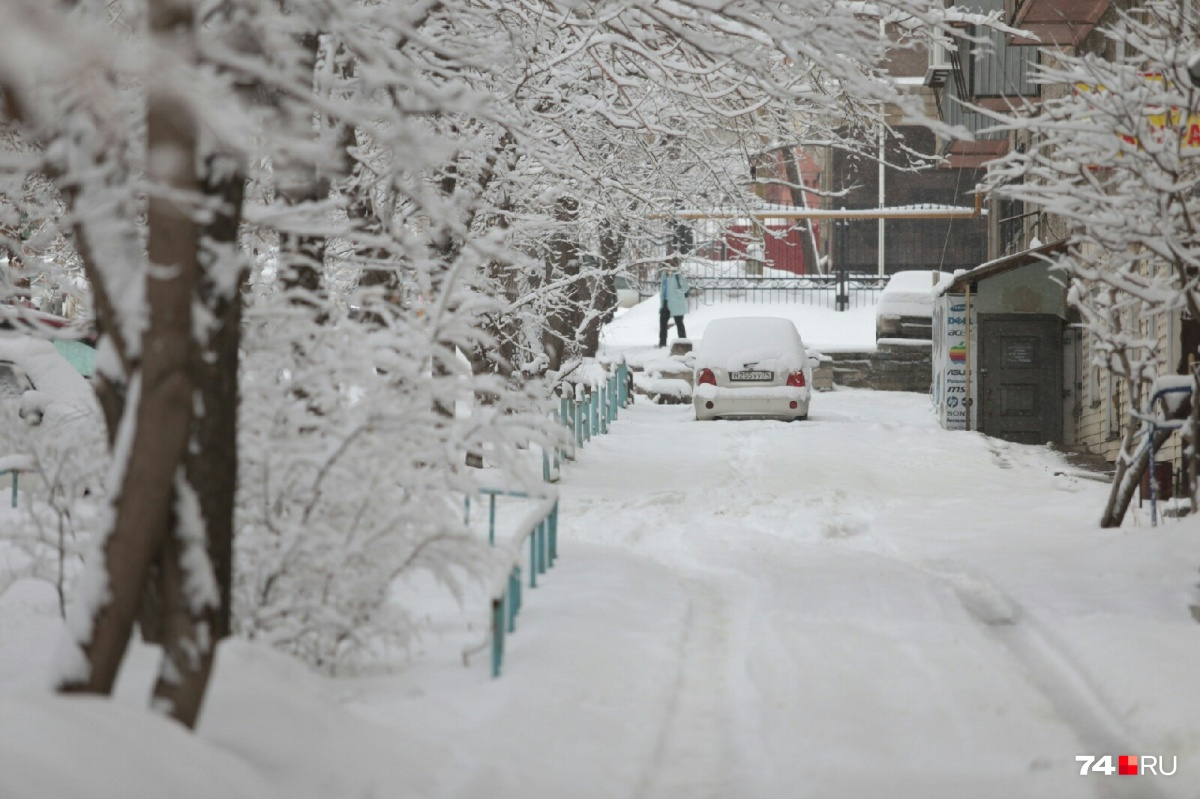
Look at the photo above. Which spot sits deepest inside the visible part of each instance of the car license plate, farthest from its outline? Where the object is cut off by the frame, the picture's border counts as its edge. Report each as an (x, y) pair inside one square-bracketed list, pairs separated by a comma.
[(754, 374)]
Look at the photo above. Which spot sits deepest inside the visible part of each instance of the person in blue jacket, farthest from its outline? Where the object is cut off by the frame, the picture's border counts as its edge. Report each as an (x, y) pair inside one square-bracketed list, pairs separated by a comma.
[(672, 295)]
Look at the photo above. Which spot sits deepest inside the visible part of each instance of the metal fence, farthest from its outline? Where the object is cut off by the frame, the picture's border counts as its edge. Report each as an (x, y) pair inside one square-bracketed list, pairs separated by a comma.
[(838, 291)]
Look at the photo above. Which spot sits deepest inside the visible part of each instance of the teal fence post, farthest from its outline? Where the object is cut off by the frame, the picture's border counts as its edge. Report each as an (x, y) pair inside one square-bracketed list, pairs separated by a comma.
[(554, 533), (578, 417), (492, 519), (542, 546), (567, 418), (533, 570), (589, 402), (594, 414), (13, 473), (513, 598), (614, 398), (557, 450), (603, 408)]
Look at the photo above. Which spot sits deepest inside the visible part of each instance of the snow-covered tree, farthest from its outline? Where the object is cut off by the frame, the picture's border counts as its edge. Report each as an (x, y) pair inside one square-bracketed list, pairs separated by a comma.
[(403, 195), (1114, 161)]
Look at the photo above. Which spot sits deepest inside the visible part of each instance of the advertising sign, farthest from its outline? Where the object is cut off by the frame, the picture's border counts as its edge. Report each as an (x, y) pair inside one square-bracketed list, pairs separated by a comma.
[(950, 360)]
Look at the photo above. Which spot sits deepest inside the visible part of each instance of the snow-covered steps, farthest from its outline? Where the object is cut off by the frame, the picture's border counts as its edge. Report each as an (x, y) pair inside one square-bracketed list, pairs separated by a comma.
[(896, 365)]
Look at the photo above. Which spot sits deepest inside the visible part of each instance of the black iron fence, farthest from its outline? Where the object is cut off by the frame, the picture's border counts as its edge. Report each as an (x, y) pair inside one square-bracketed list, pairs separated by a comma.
[(838, 291)]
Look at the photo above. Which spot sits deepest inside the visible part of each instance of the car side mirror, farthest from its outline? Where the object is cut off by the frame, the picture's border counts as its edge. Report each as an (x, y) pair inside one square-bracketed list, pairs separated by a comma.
[(33, 407)]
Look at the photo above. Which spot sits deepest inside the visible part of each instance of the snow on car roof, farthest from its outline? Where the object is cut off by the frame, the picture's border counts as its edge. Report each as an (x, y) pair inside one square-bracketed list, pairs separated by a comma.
[(769, 341), (908, 293), (917, 280), (50, 372)]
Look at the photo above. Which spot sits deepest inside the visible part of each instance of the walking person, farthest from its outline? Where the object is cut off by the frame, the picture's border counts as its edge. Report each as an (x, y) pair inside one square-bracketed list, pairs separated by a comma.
[(672, 295)]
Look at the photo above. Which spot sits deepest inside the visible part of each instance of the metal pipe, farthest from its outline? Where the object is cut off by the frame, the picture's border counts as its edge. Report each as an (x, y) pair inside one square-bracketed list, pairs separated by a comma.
[(967, 360), (882, 172), (840, 213)]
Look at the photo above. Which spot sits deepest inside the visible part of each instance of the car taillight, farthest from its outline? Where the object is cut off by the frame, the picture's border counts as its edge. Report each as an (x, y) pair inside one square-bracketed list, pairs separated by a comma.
[(796, 379), (707, 376)]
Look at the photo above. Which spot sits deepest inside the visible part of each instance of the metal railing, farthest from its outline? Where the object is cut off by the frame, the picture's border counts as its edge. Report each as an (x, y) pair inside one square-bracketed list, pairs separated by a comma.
[(15, 466), (540, 529), (16, 473), (586, 411), (837, 291)]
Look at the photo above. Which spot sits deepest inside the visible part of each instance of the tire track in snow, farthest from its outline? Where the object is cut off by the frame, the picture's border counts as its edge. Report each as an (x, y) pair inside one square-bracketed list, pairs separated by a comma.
[(1050, 669), (692, 757)]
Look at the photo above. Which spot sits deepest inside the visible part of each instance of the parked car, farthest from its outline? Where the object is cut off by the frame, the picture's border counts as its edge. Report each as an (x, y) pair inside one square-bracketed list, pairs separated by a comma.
[(627, 292), (42, 386), (14, 385), (50, 421), (752, 367), (905, 308)]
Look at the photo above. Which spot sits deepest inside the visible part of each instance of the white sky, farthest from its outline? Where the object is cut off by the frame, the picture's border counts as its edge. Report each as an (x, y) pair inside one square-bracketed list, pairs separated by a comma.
[(859, 605)]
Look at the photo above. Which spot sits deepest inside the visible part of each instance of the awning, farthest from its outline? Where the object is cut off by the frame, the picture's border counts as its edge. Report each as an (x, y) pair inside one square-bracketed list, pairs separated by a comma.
[(975, 154), (1056, 22)]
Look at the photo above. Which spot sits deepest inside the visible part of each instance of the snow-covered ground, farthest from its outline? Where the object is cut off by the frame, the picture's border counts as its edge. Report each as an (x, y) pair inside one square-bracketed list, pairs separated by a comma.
[(860, 605)]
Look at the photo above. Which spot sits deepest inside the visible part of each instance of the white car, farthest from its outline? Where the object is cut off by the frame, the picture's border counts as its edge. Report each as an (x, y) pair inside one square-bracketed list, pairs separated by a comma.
[(905, 308), (41, 386), (752, 367), (627, 292)]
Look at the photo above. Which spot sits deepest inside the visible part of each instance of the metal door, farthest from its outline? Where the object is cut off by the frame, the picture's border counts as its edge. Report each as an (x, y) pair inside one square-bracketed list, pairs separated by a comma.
[(1020, 377)]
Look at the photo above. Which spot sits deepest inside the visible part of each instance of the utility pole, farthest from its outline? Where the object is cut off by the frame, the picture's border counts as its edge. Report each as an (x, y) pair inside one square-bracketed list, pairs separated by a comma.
[(882, 171)]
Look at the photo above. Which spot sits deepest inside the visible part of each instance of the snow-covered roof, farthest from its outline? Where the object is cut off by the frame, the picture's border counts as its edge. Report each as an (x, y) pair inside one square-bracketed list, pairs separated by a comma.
[(1039, 254)]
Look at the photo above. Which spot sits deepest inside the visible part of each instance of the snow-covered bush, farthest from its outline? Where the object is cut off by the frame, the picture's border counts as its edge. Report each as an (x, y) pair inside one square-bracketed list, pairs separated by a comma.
[(354, 474), (62, 455)]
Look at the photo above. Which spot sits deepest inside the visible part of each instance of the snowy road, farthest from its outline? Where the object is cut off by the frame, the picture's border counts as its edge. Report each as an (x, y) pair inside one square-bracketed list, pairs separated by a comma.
[(861, 605), (817, 655)]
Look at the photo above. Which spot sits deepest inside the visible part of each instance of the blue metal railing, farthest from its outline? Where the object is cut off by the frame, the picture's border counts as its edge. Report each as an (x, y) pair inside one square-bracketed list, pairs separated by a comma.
[(15, 475), (540, 529), (585, 411)]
